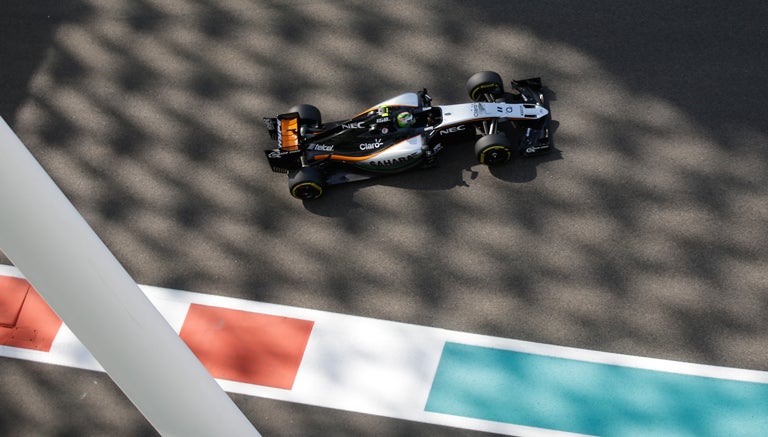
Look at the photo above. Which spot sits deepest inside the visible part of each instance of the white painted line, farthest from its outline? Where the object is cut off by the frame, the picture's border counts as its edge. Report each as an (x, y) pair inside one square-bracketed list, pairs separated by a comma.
[(346, 322), (371, 366)]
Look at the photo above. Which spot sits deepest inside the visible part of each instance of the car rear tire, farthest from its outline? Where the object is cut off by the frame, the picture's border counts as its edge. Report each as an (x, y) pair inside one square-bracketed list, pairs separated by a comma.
[(308, 115), (483, 83), (306, 183), (494, 149)]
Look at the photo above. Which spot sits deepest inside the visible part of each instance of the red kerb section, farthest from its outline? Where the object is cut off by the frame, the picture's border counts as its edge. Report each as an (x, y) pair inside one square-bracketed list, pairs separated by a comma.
[(247, 347), (26, 321)]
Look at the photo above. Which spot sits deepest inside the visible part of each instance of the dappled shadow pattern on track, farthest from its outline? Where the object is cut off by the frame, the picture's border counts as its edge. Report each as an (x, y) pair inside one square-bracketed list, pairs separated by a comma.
[(646, 233)]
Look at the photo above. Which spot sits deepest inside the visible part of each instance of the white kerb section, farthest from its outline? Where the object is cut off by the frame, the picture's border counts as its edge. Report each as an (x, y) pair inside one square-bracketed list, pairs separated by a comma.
[(72, 269)]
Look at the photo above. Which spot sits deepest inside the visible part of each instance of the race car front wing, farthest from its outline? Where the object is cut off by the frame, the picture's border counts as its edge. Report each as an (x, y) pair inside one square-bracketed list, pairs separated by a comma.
[(535, 141)]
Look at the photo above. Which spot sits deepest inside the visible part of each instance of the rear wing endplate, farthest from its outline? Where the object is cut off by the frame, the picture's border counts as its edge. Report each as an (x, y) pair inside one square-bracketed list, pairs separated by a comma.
[(285, 129)]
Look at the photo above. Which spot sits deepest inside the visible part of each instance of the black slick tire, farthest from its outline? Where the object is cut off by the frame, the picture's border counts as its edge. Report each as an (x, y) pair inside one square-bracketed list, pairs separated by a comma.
[(306, 183), (308, 115), (483, 83), (493, 150)]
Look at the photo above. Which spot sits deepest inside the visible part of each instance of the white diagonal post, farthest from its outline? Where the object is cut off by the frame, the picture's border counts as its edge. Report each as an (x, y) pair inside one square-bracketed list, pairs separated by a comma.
[(46, 238)]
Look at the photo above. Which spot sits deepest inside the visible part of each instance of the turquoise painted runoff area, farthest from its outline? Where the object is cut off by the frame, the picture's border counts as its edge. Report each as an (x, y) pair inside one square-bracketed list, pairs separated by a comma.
[(589, 398)]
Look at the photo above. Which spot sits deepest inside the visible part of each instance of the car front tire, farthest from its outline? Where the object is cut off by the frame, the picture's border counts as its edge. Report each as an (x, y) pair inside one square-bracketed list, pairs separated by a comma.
[(483, 83), (494, 149)]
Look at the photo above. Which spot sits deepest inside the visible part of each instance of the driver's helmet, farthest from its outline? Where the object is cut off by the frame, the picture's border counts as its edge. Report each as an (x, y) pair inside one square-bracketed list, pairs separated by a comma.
[(404, 119)]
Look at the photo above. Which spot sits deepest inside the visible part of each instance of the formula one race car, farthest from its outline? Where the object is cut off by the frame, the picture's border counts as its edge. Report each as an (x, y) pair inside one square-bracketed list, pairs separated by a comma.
[(406, 132)]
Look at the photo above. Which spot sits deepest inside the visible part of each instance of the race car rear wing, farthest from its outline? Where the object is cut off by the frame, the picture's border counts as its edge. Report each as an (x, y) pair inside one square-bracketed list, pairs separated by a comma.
[(283, 162), (285, 129)]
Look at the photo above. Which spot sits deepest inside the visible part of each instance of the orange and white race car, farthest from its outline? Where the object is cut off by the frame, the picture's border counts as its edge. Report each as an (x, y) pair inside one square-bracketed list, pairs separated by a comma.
[(407, 132)]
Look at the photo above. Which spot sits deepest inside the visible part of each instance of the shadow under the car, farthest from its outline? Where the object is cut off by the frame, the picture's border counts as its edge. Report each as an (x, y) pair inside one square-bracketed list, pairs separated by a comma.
[(456, 167)]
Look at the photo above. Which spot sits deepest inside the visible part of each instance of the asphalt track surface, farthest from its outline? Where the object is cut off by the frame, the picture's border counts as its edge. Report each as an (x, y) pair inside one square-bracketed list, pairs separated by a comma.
[(646, 233)]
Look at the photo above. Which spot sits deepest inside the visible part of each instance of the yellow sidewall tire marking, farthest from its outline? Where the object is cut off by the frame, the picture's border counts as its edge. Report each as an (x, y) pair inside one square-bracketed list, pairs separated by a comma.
[(304, 184), (492, 148)]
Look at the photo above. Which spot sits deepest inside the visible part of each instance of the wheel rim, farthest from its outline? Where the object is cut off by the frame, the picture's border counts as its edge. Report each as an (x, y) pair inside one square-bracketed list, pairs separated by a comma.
[(307, 191), (495, 155)]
